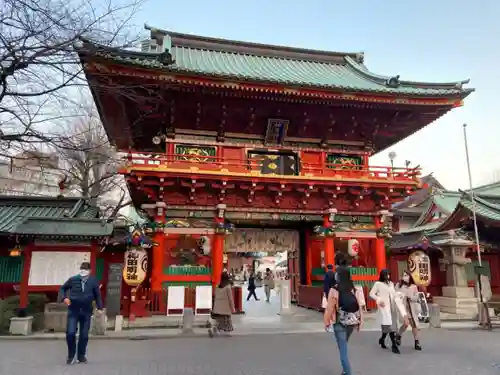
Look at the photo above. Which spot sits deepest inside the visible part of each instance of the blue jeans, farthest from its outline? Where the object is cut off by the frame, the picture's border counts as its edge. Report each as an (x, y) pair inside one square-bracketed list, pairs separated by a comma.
[(77, 321), (342, 334)]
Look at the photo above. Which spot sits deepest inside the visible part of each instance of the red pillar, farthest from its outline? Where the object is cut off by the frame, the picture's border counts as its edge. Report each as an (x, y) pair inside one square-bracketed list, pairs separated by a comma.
[(23, 292), (218, 248), (329, 243), (158, 250), (308, 259), (379, 244), (217, 257)]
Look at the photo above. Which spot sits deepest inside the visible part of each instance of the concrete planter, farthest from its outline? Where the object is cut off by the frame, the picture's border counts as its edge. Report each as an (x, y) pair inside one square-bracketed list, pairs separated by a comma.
[(21, 326)]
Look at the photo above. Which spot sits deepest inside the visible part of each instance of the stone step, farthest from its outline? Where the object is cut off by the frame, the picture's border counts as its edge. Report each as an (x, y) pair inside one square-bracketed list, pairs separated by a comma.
[(456, 302), (463, 313)]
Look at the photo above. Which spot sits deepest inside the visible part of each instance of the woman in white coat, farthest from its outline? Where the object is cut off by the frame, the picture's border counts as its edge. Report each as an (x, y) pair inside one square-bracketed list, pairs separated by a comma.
[(389, 308), (409, 294)]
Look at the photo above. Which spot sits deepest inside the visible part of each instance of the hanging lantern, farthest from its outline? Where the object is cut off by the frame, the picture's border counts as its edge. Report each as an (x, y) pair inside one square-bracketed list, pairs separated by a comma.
[(205, 245), (353, 247), (15, 251)]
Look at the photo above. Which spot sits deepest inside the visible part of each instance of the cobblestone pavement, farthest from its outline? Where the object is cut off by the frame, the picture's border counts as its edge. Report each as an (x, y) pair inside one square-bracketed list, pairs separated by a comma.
[(445, 352)]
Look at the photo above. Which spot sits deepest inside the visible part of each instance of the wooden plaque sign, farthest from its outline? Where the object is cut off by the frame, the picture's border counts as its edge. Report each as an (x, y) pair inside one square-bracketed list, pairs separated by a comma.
[(114, 289)]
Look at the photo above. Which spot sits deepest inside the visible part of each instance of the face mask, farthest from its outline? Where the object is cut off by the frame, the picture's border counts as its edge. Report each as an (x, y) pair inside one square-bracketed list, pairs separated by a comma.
[(84, 273), (406, 278)]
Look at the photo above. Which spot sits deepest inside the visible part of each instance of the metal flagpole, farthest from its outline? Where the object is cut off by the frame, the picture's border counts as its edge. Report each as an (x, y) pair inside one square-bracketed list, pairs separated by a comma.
[(476, 232), (483, 304)]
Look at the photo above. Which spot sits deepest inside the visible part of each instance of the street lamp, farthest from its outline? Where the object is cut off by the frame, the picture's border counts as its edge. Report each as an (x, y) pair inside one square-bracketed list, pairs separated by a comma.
[(392, 156)]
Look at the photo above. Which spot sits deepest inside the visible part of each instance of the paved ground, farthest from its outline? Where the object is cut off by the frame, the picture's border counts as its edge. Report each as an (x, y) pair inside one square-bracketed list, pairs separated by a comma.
[(445, 352)]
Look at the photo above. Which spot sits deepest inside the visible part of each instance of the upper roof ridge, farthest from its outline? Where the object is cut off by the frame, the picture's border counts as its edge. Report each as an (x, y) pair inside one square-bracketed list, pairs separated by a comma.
[(252, 48)]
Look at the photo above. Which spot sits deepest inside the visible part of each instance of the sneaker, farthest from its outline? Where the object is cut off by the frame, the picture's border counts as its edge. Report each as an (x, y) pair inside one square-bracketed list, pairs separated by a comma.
[(70, 361), (82, 359)]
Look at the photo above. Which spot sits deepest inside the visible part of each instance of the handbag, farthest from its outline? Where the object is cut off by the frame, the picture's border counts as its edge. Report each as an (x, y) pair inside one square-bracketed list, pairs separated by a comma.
[(348, 318)]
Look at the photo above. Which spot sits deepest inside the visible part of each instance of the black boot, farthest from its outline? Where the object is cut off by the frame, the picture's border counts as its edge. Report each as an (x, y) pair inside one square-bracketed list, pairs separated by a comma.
[(395, 348), (381, 341), (398, 339), (417, 345)]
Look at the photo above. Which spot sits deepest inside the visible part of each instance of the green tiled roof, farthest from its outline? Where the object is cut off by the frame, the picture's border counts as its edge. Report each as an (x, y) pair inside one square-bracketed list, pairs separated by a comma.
[(447, 201), (422, 228), (488, 190), (483, 208), (253, 62), (48, 216), (65, 227)]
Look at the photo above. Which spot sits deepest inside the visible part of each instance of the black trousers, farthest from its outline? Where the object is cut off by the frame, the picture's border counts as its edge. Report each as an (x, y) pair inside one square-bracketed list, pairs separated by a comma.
[(251, 293)]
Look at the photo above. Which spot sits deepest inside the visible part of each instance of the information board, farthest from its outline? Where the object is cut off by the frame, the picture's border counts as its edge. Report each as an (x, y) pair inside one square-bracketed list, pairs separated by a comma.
[(55, 267)]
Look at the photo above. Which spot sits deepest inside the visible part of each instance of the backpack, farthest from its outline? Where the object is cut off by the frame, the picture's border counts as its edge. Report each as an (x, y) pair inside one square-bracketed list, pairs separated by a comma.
[(348, 313)]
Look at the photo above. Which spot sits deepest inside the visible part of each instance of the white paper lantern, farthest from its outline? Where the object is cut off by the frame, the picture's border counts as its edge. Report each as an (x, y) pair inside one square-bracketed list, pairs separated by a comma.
[(205, 245), (353, 248)]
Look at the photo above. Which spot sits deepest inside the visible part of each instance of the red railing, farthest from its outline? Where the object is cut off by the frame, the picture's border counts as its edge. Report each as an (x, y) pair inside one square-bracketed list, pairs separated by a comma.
[(237, 165)]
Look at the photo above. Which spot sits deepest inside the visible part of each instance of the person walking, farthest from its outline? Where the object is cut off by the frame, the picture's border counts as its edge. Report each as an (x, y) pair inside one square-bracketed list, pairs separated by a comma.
[(223, 307), (409, 293), (252, 287), (268, 283), (78, 293), (328, 282), (389, 308), (343, 314)]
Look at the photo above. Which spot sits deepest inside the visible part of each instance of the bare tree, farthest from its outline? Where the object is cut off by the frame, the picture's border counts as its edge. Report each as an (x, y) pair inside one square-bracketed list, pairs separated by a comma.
[(89, 163), (39, 67)]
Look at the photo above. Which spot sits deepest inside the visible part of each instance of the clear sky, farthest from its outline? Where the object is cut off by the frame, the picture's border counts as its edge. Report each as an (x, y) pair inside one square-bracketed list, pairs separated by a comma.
[(427, 40)]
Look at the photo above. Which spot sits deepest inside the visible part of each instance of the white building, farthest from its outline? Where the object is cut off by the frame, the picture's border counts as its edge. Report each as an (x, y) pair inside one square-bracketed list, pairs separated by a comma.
[(30, 173)]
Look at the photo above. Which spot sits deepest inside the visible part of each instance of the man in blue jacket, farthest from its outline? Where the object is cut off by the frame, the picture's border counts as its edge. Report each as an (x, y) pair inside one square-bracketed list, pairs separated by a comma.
[(79, 293)]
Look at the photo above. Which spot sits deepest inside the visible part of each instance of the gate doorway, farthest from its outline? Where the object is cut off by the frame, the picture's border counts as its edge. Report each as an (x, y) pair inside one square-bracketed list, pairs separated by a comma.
[(276, 249)]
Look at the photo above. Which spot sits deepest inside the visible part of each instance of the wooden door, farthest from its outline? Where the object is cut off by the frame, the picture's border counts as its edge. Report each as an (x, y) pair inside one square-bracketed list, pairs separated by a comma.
[(293, 273)]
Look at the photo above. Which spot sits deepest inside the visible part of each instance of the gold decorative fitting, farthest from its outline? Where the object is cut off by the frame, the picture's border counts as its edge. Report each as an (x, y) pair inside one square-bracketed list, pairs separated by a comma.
[(15, 251)]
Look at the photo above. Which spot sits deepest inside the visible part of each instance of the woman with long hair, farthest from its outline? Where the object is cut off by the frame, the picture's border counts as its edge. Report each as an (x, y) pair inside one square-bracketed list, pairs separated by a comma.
[(223, 307), (389, 308), (343, 314), (409, 293)]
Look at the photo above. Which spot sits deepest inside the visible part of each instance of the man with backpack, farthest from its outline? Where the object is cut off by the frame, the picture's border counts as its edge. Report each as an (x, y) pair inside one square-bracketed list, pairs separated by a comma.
[(343, 314)]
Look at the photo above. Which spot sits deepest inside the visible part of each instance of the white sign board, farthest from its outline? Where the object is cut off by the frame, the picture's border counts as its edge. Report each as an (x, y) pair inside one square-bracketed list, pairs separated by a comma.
[(286, 297), (55, 267)]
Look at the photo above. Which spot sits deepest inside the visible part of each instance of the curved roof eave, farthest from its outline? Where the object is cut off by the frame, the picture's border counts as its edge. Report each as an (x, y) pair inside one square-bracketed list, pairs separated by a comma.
[(381, 79)]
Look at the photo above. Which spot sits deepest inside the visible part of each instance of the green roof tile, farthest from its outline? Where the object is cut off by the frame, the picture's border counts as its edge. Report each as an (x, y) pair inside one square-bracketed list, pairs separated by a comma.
[(64, 227), (219, 58), (447, 201), (46, 216), (483, 209)]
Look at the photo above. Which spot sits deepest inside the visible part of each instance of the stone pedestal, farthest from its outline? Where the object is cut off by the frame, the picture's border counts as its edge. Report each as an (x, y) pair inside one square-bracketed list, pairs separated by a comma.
[(458, 298), (21, 326), (99, 323)]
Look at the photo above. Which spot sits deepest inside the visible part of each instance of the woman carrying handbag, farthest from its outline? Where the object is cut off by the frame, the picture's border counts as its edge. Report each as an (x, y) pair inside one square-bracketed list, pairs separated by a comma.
[(343, 314), (223, 307)]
